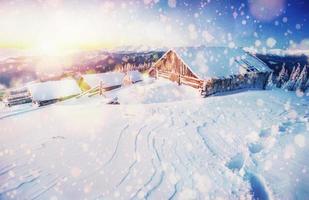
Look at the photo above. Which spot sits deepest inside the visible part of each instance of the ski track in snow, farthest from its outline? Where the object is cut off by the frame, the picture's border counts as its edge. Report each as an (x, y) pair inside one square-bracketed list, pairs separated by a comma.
[(135, 161), (191, 149), (117, 145)]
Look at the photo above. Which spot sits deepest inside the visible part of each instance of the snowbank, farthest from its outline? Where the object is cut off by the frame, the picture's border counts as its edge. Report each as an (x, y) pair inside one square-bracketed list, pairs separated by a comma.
[(252, 144), (108, 79), (53, 89), (154, 91)]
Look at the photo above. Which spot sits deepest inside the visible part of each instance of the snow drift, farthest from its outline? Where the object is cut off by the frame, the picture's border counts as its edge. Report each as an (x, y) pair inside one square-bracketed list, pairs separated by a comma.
[(154, 91), (241, 146)]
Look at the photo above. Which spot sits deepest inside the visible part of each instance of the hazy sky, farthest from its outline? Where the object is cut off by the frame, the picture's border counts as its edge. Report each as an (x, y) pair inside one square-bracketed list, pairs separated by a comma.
[(69, 24)]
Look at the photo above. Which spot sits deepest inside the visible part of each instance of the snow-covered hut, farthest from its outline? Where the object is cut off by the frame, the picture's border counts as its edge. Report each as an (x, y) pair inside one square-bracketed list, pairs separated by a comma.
[(43, 93), (132, 77), (109, 80), (212, 69)]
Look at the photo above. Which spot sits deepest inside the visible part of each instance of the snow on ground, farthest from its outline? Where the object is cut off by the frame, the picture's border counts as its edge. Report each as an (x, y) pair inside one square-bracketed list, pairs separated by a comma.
[(153, 91), (226, 147), (15, 110)]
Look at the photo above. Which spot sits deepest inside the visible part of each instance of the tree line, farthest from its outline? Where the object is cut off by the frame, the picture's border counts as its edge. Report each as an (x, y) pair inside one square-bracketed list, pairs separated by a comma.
[(297, 80)]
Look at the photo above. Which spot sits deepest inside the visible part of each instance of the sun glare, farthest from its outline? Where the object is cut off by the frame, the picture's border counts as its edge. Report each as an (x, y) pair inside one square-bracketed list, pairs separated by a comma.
[(48, 48), (52, 55), (65, 29)]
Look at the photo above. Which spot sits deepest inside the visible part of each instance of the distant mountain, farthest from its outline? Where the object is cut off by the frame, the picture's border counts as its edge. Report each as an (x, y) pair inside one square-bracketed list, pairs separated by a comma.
[(12, 53), (108, 61), (21, 69), (138, 49), (276, 61), (290, 69), (279, 52), (15, 71)]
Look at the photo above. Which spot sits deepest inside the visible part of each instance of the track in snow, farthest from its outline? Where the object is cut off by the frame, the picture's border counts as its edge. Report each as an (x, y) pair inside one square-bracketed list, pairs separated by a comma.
[(160, 151)]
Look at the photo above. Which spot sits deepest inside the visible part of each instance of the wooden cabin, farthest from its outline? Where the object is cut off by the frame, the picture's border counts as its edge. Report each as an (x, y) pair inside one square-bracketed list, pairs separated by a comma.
[(212, 69)]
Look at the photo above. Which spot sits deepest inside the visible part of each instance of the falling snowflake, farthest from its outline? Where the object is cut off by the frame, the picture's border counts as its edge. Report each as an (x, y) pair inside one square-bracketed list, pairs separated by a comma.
[(172, 3), (300, 140), (271, 42)]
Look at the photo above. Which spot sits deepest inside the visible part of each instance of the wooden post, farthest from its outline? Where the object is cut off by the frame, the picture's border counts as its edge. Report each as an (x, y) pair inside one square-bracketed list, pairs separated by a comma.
[(101, 88), (157, 73)]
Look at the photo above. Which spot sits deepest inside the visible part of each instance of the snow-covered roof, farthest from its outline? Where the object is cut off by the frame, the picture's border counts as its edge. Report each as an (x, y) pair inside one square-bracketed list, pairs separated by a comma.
[(208, 62), (53, 89), (108, 79)]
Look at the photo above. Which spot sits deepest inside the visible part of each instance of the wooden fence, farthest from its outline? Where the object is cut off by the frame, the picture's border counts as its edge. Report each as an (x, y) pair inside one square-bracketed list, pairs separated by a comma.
[(186, 80)]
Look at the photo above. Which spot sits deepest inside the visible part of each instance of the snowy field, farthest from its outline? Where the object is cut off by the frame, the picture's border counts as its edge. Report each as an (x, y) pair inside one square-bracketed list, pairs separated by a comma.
[(162, 142)]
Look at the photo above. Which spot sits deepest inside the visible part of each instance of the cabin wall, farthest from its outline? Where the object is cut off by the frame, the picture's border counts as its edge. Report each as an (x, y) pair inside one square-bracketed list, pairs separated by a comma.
[(254, 80), (172, 67)]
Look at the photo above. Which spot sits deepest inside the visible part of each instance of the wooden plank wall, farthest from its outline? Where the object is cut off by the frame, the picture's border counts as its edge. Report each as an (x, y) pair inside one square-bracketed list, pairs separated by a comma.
[(171, 67), (253, 80), (193, 82)]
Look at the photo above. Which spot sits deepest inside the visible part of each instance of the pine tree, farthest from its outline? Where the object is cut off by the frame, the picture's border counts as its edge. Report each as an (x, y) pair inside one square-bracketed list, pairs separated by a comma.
[(296, 73), (292, 73), (301, 80), (271, 81), (305, 86), (290, 85), (282, 78)]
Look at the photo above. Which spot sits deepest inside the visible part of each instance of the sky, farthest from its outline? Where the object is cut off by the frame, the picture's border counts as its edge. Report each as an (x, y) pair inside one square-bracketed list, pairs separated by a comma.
[(60, 25)]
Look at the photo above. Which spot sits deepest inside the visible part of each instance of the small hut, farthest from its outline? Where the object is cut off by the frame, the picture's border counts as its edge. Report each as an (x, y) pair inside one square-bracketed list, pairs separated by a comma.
[(44, 93), (212, 69), (132, 77), (108, 80)]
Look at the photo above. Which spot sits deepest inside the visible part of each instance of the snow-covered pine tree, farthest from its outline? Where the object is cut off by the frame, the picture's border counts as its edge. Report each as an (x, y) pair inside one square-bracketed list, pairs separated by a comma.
[(290, 85), (140, 66), (297, 72), (286, 85), (283, 77), (306, 87), (302, 80), (271, 82), (293, 70)]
